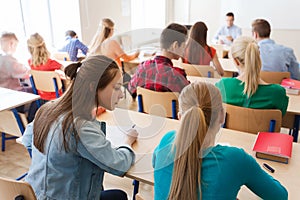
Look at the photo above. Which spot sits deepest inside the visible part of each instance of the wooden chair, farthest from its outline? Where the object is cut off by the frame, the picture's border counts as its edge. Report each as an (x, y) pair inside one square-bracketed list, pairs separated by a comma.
[(252, 120), (47, 81), (195, 70), (12, 123), (164, 104), (16, 190), (61, 56), (274, 77)]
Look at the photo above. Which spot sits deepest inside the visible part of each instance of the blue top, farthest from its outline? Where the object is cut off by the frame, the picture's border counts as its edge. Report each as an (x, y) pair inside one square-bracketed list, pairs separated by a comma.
[(271, 96), (78, 173), (278, 58), (71, 46), (224, 170), (233, 31)]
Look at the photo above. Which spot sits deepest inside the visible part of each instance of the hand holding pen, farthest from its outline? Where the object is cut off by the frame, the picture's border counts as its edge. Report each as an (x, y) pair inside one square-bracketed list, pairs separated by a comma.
[(131, 136)]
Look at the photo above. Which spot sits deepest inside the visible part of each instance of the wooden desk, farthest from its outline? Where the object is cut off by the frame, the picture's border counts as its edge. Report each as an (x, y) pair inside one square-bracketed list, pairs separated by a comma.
[(153, 128), (12, 99)]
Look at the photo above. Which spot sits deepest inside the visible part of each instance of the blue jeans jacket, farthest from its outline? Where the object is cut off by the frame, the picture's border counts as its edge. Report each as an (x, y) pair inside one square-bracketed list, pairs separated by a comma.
[(78, 173)]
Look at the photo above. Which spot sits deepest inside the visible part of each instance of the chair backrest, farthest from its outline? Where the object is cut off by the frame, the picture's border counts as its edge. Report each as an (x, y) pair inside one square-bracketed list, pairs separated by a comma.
[(63, 56), (252, 120), (164, 104), (12, 124), (10, 189), (274, 77), (198, 70), (46, 81)]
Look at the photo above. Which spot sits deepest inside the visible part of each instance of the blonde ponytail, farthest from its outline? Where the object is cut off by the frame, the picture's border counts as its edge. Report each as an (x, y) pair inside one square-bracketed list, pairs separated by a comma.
[(200, 103), (246, 51)]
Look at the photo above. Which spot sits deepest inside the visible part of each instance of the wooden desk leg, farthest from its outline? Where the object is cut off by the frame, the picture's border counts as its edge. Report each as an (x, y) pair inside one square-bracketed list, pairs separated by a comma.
[(136, 185), (296, 127)]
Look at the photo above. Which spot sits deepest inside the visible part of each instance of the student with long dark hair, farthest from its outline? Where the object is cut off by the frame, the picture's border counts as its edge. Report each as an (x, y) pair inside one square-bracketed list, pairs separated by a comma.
[(70, 152)]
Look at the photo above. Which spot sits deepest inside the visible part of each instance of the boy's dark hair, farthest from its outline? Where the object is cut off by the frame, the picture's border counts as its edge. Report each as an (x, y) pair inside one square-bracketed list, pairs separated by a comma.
[(261, 27), (173, 32), (71, 33), (230, 14)]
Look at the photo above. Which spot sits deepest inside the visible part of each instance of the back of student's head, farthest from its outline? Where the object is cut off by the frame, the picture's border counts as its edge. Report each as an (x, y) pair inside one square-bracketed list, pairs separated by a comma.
[(261, 27), (200, 104), (6, 38), (71, 33), (104, 31), (172, 33), (87, 78), (196, 43), (37, 49), (246, 51)]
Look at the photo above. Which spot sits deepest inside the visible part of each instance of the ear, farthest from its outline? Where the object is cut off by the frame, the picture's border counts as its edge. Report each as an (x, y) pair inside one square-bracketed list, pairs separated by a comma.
[(174, 46), (179, 115), (254, 34), (222, 116)]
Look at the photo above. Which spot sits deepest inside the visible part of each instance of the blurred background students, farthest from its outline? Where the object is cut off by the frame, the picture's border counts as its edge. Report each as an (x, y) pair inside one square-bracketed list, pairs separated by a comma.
[(104, 44), (198, 52), (229, 32), (275, 57), (72, 45), (40, 60), (11, 71)]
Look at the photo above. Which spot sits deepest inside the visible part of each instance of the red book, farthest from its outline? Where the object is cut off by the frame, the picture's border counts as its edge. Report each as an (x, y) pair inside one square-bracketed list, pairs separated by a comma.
[(290, 83), (273, 146)]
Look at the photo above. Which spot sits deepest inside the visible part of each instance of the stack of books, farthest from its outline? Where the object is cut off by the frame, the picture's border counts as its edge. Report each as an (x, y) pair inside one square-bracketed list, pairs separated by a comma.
[(291, 86), (273, 146)]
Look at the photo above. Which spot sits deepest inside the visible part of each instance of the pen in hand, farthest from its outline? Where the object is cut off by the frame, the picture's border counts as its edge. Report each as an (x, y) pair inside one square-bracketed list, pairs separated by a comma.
[(133, 125)]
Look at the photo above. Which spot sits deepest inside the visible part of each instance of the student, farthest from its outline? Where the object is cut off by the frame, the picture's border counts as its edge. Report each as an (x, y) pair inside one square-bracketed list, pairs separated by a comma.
[(275, 57), (159, 74), (70, 152), (189, 165), (40, 60), (103, 44), (229, 32), (198, 52), (11, 71), (248, 89), (72, 45)]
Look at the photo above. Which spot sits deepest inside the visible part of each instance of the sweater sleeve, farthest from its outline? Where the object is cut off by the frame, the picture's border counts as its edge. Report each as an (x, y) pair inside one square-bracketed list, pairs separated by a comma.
[(260, 182)]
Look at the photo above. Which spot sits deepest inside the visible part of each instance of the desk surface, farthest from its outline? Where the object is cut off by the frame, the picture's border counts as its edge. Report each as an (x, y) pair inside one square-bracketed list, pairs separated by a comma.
[(287, 174), (12, 99)]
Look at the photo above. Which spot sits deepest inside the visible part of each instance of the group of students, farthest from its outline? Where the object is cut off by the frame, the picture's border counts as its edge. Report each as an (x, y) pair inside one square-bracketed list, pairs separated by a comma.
[(70, 152)]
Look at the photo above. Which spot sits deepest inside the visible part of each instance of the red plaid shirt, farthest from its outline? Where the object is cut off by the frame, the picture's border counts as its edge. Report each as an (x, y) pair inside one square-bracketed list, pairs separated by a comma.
[(158, 75)]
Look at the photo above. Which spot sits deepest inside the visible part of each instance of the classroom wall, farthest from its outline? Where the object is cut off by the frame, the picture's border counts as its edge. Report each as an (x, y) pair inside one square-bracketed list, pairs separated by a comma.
[(91, 13), (213, 12)]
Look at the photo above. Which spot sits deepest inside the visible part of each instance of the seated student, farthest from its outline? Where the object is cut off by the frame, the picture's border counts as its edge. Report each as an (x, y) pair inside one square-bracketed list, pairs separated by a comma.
[(248, 89), (198, 52), (72, 45), (159, 74), (229, 32), (104, 44), (275, 57), (40, 60), (11, 71), (189, 165), (69, 151)]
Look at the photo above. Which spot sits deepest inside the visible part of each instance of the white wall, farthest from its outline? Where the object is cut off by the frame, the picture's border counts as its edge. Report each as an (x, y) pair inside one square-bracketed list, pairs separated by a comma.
[(285, 26), (91, 13)]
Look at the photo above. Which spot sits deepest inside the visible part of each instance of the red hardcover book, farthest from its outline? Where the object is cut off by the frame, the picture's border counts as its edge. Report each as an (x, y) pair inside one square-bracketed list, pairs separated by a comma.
[(290, 83), (273, 146)]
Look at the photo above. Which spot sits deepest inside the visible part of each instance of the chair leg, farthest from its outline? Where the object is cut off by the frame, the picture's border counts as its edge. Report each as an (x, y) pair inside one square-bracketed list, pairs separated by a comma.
[(21, 177), (3, 142), (136, 185)]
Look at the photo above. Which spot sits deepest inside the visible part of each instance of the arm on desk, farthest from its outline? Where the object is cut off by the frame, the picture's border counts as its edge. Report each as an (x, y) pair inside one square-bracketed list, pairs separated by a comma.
[(260, 182)]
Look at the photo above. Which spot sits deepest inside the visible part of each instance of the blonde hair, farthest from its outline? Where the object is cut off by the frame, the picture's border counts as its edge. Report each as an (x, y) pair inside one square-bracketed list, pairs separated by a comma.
[(102, 33), (37, 48), (246, 51), (200, 103)]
